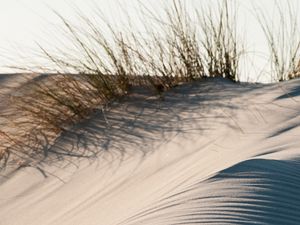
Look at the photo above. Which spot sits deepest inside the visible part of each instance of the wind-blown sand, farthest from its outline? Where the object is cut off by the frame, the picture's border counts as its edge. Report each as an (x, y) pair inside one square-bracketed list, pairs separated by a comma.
[(213, 152)]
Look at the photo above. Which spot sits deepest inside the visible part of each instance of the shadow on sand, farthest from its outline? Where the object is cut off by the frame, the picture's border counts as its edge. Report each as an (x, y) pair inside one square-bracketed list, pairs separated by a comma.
[(139, 123), (256, 191)]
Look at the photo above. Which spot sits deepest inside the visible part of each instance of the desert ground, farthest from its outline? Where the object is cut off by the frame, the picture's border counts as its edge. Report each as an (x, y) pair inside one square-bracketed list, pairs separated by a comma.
[(210, 152)]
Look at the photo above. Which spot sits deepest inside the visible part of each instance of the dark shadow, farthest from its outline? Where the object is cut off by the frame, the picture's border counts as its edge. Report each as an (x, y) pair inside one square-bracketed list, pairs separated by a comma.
[(284, 130), (292, 93), (256, 191)]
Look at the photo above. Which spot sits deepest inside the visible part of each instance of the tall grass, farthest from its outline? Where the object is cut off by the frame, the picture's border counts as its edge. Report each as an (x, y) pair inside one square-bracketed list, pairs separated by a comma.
[(222, 47), (105, 63), (283, 38)]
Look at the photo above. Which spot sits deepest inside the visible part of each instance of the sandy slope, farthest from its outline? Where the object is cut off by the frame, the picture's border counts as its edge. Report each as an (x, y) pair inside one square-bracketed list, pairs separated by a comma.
[(212, 152)]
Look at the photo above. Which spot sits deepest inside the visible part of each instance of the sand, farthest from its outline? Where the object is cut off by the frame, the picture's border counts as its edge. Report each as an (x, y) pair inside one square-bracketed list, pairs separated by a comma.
[(213, 152)]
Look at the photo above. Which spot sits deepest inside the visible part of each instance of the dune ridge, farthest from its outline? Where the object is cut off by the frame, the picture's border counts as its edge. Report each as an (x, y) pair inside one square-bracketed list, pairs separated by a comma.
[(213, 152)]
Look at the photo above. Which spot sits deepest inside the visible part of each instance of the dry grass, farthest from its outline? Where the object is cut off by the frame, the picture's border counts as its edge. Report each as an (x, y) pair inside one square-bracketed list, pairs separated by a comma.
[(222, 47), (103, 66), (283, 38)]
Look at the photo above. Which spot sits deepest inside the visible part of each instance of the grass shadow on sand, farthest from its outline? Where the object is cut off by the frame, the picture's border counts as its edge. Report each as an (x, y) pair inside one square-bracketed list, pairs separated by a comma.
[(140, 123)]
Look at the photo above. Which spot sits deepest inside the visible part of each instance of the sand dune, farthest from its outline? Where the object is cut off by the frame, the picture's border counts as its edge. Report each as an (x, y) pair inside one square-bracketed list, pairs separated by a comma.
[(258, 190), (213, 152)]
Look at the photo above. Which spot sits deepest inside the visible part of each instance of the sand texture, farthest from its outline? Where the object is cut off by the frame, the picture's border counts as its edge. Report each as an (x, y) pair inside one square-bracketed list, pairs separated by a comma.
[(212, 152)]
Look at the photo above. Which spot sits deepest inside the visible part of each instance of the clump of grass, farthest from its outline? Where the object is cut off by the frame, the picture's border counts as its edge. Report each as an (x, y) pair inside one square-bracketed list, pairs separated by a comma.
[(180, 38), (220, 42), (283, 39), (193, 48), (103, 66), (48, 106)]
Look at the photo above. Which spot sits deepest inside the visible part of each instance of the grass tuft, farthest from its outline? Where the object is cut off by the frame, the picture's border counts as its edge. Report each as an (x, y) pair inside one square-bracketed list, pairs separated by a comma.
[(105, 63), (283, 40)]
